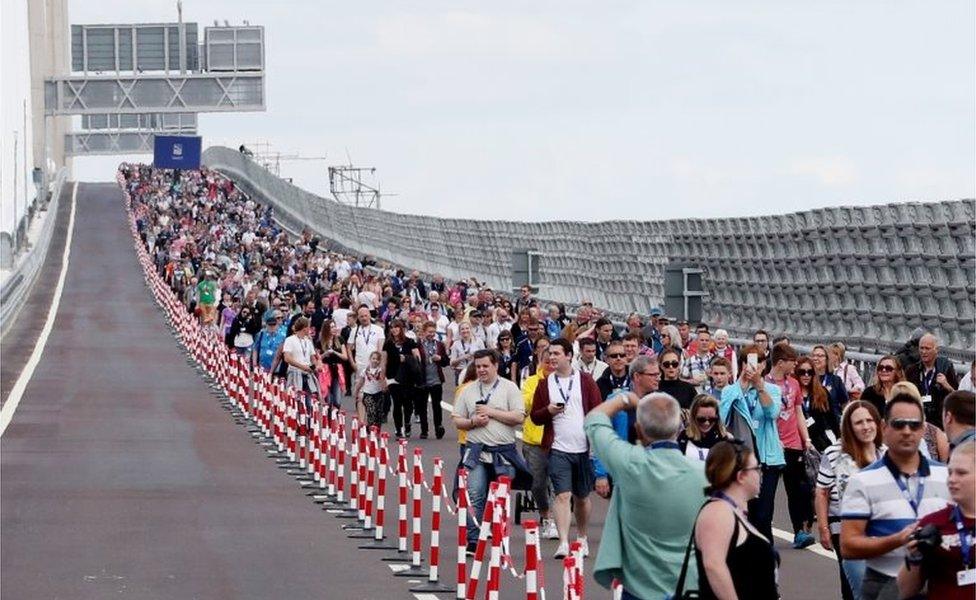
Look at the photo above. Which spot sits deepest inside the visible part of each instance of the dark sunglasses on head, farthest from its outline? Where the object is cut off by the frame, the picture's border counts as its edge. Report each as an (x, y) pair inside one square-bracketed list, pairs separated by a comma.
[(705, 420), (670, 364), (886, 368), (913, 424), (616, 355), (802, 372)]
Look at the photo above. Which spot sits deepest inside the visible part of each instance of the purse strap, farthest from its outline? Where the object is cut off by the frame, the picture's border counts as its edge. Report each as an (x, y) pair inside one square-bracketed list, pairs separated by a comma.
[(680, 588)]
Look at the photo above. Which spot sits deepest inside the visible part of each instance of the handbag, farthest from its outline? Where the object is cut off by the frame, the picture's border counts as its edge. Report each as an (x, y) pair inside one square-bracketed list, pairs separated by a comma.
[(740, 428), (811, 463)]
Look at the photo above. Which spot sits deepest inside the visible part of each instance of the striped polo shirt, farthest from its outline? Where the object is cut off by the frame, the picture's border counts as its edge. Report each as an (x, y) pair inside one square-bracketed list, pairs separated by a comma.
[(874, 493)]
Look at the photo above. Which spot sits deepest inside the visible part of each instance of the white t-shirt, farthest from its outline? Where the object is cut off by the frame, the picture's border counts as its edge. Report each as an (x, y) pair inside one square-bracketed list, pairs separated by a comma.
[(568, 434), (461, 348), (366, 340), (300, 349), (494, 330), (340, 317)]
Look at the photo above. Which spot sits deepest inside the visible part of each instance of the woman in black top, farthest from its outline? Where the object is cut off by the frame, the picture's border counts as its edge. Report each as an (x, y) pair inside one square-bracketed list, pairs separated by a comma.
[(886, 374), (402, 354), (506, 355), (734, 559), (824, 430), (704, 428), (682, 391)]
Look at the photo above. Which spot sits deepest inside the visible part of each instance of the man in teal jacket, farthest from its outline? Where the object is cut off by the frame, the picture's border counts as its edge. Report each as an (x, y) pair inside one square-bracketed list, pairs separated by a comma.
[(657, 494)]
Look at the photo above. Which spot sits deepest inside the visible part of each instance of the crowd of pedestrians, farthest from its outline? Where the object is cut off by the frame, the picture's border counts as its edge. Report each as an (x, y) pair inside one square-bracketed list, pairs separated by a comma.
[(685, 435)]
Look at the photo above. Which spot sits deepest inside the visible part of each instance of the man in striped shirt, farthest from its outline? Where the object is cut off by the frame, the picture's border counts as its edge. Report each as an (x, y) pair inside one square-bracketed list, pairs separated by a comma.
[(884, 501)]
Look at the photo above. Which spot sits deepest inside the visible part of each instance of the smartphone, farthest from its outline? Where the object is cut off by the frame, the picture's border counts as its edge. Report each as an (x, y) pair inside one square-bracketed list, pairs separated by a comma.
[(560, 404), (752, 359)]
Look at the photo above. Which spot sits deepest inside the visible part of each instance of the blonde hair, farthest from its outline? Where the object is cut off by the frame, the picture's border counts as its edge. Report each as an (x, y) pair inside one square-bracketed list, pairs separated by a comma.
[(703, 401), (903, 387)]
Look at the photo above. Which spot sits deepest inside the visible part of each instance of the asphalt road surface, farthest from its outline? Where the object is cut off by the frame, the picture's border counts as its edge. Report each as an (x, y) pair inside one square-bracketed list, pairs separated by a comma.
[(123, 476)]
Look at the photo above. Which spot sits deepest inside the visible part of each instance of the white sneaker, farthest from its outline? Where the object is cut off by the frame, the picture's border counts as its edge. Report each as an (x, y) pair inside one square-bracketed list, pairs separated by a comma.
[(562, 550), (549, 531), (584, 547)]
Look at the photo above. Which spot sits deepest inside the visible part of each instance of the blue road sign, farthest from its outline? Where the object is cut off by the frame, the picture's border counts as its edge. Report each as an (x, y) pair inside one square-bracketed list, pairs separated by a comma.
[(177, 152)]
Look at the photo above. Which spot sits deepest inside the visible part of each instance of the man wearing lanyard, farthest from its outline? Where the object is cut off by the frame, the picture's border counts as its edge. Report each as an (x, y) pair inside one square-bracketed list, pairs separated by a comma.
[(645, 554), (934, 376), (560, 405), (587, 362), (948, 567), (367, 338), (488, 409), (883, 501)]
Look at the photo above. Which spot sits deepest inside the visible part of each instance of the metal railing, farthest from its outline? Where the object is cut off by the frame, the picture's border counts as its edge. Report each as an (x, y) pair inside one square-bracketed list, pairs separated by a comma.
[(866, 276), (18, 285)]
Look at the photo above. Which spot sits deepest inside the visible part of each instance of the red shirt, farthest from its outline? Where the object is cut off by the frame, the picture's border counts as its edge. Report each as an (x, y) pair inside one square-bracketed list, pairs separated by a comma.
[(946, 561), (789, 429)]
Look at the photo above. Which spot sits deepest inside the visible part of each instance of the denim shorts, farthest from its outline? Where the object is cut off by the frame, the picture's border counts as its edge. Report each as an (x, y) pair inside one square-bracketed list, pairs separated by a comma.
[(571, 473)]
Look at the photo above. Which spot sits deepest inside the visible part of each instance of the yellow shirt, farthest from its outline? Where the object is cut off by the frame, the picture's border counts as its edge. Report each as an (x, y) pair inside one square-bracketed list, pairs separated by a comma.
[(532, 433), (462, 434)]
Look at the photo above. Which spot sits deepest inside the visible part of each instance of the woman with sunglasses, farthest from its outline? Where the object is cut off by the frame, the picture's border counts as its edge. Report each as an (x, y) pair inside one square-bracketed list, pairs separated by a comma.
[(506, 355), (734, 559), (886, 374), (822, 425), (682, 391), (859, 445), (704, 430)]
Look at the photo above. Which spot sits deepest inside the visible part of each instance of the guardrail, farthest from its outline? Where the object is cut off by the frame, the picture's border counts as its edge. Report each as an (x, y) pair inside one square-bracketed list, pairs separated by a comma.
[(18, 285), (866, 276)]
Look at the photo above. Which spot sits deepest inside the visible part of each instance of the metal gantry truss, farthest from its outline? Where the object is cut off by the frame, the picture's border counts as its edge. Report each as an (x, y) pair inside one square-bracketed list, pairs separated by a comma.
[(133, 81), (347, 186), (193, 92)]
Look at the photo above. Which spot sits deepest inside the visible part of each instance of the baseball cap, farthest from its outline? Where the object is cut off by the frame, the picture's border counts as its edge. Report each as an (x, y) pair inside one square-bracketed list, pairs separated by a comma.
[(656, 311)]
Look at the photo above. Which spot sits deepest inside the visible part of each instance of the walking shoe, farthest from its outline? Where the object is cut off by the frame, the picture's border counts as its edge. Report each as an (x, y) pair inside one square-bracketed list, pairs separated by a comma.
[(470, 548), (802, 539), (439, 432), (562, 550), (406, 431), (584, 547), (399, 435), (549, 531)]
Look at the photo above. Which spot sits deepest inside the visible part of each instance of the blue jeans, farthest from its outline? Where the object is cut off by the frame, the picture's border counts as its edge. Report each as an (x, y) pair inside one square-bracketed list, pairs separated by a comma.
[(334, 393), (478, 481), (854, 571)]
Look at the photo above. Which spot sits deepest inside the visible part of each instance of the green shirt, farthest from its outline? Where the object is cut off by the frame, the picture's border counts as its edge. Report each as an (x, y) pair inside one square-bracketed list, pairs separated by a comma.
[(208, 291), (656, 497)]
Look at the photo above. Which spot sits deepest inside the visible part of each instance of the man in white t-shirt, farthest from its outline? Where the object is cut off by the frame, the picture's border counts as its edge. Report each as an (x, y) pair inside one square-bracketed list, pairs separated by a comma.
[(560, 404), (440, 320), (501, 323), (364, 339)]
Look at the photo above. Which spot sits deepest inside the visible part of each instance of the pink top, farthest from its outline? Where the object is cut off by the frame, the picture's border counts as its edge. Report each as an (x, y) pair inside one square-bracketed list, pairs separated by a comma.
[(789, 429)]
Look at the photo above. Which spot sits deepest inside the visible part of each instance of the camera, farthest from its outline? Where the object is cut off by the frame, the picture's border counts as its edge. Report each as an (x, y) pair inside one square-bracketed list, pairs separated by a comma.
[(927, 539)]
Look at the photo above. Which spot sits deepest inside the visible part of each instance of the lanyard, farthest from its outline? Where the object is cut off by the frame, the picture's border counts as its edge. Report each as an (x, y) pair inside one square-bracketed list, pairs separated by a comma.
[(965, 541), (567, 393), (486, 397), (623, 383), (927, 380), (919, 492), (725, 497), (367, 336)]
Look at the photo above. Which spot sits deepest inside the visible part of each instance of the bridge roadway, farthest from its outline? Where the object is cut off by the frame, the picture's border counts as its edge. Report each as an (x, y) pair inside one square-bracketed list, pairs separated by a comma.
[(122, 474)]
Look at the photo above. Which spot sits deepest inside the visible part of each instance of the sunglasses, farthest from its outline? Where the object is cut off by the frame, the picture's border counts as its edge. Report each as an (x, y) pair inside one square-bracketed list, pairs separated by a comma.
[(802, 372), (913, 424), (670, 364), (705, 420), (886, 368), (616, 355)]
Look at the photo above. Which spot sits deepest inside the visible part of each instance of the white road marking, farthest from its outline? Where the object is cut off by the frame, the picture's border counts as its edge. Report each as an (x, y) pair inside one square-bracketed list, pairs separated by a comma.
[(783, 535), (17, 392)]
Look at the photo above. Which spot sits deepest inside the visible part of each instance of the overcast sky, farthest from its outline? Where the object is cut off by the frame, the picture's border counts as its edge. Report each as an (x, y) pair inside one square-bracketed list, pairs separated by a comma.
[(598, 110)]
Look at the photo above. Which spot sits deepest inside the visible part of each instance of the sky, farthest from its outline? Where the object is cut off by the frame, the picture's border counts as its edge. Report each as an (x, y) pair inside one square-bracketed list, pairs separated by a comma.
[(611, 110)]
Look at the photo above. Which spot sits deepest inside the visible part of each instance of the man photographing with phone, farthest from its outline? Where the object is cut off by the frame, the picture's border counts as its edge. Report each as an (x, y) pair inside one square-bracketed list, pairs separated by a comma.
[(559, 405)]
